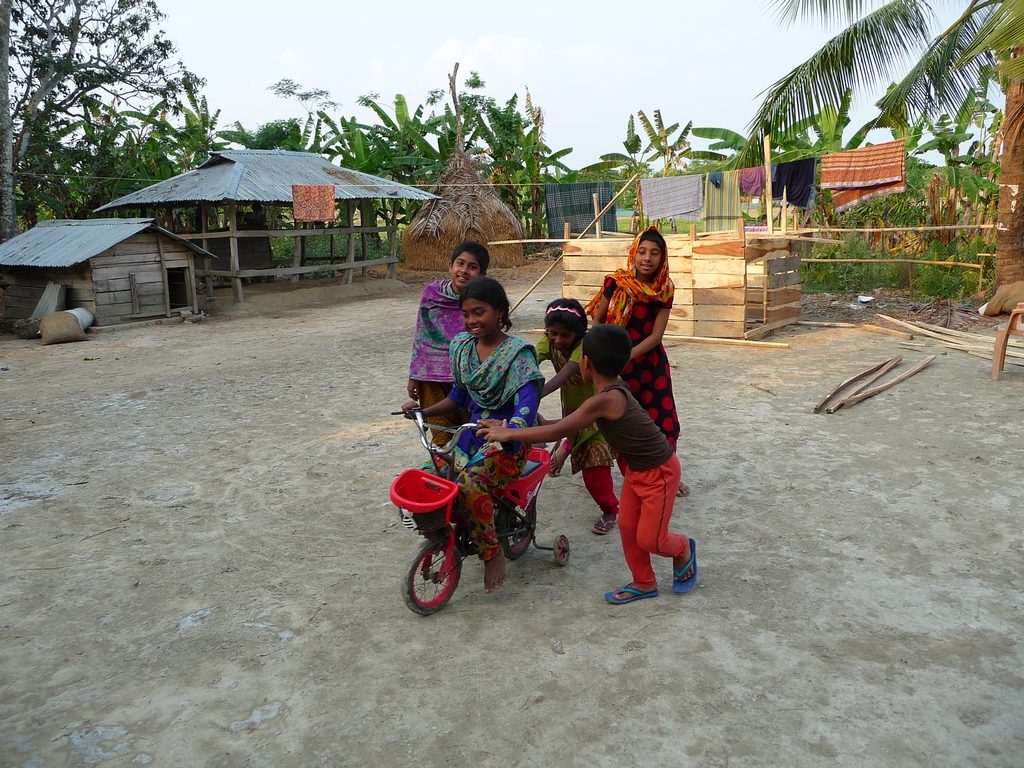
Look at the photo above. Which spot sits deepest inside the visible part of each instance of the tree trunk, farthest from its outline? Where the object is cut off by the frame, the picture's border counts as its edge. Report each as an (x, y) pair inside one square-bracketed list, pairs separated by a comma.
[(8, 214), (1010, 221)]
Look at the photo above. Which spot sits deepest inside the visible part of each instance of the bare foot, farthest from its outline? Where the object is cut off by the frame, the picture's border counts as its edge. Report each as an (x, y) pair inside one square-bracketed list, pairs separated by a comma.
[(494, 572), (684, 489)]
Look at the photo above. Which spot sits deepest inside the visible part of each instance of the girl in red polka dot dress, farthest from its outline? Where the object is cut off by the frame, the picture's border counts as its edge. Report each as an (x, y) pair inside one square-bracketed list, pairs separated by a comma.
[(639, 298)]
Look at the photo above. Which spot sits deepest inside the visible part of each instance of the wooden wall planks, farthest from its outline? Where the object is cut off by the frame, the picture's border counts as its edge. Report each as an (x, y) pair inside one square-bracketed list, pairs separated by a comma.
[(724, 288)]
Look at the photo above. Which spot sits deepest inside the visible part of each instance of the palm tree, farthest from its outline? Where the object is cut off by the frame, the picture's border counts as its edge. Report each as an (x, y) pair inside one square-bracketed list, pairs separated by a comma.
[(880, 37)]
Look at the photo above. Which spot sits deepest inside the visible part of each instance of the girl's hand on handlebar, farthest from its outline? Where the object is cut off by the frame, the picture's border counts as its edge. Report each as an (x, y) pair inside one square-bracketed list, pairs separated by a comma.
[(494, 430), (409, 407)]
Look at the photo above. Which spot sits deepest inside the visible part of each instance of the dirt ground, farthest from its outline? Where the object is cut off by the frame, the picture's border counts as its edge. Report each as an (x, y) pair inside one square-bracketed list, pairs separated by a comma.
[(199, 564)]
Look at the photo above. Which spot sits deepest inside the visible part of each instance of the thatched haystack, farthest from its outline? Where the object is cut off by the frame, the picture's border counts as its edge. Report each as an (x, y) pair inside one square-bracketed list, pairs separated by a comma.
[(466, 209)]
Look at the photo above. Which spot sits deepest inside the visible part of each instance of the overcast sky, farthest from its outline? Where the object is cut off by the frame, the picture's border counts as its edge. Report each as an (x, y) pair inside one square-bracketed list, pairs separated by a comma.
[(587, 65)]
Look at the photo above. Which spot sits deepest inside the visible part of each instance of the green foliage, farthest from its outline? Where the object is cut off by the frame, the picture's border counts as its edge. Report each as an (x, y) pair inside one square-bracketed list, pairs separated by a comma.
[(923, 280), (74, 67)]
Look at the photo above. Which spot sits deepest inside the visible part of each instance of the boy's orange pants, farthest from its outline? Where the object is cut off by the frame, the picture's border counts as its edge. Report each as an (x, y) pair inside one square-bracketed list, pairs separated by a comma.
[(645, 508)]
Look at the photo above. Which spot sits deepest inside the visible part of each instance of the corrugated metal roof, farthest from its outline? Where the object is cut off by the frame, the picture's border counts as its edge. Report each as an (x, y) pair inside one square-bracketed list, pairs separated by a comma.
[(66, 242), (264, 176)]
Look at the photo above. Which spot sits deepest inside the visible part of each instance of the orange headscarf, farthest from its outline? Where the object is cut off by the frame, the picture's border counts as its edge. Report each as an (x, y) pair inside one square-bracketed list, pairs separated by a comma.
[(629, 289)]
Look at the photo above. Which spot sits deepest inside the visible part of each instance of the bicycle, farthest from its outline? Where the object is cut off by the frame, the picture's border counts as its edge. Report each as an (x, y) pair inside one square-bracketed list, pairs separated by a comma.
[(429, 504)]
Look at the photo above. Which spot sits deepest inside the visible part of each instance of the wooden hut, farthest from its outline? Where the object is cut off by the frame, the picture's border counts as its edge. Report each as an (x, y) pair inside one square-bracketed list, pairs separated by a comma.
[(235, 188), (119, 269), (466, 208), (727, 286)]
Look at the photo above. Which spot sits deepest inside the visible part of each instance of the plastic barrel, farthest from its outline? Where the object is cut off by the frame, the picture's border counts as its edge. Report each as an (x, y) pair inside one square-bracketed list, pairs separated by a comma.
[(83, 315)]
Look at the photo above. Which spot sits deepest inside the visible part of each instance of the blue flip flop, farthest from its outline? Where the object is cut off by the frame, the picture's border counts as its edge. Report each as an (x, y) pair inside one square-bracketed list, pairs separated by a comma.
[(633, 592), (680, 585)]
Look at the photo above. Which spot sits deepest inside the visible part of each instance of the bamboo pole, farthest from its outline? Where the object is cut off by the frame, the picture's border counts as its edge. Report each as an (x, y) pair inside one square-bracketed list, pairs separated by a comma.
[(557, 261), (951, 335), (823, 324), (790, 236), (350, 241), (207, 261), (886, 331), (729, 342), (236, 282), (768, 184), (964, 264), (857, 376), (297, 256), (853, 399), (931, 228), (887, 366), (597, 215), (785, 210)]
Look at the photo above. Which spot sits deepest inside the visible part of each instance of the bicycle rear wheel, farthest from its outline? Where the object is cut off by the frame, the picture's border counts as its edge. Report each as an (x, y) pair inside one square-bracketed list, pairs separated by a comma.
[(432, 577), (520, 528)]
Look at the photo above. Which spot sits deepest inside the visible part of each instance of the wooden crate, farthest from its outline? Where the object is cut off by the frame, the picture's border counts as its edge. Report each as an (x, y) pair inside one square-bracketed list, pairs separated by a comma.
[(725, 287), (773, 286)]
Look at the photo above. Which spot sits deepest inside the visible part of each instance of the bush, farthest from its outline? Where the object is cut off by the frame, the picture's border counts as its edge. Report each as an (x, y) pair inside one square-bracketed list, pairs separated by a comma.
[(926, 280)]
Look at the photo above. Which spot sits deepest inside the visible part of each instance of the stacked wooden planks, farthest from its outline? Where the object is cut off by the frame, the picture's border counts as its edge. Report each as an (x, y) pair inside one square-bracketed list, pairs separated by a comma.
[(773, 286), (975, 344)]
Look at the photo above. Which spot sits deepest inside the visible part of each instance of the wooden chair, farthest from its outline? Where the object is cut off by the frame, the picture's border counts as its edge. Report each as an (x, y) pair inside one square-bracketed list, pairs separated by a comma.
[(1012, 327)]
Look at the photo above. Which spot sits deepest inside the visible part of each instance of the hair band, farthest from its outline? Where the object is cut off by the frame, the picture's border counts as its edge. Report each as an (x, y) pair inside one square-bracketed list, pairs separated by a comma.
[(570, 310)]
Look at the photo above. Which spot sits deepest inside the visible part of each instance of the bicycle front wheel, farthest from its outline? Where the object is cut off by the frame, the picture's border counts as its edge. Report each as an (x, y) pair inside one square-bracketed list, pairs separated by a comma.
[(432, 577)]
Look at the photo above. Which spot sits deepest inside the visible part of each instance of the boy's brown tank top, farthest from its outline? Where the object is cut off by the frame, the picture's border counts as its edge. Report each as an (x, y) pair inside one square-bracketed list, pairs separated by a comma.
[(635, 436)]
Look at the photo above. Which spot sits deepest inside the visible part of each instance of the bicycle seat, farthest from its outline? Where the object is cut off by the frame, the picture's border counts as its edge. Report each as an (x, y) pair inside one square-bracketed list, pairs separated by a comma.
[(530, 467)]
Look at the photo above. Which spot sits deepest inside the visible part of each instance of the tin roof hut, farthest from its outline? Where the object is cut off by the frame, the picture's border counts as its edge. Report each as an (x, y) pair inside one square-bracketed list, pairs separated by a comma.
[(233, 186), (119, 269)]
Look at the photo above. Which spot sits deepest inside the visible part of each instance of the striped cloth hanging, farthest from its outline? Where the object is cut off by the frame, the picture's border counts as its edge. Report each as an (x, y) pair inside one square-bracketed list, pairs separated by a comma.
[(722, 204)]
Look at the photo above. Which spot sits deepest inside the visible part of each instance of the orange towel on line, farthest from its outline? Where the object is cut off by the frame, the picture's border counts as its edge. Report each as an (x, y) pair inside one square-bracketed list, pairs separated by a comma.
[(313, 202), (862, 174)]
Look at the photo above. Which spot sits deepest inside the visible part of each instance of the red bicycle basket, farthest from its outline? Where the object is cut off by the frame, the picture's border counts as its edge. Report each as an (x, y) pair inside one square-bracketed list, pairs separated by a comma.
[(421, 493)]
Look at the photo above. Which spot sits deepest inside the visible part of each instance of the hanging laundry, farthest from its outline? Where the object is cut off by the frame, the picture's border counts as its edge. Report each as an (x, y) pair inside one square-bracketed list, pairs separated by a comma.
[(752, 181), (865, 173), (681, 196), (797, 179), (715, 177), (722, 204), (313, 202), (574, 203)]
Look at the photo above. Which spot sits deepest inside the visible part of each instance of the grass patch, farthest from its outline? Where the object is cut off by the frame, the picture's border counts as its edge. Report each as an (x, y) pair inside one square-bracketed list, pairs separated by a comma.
[(925, 279)]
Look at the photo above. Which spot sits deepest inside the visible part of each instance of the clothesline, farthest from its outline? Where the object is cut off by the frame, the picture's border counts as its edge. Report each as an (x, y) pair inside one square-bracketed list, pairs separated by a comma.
[(853, 176)]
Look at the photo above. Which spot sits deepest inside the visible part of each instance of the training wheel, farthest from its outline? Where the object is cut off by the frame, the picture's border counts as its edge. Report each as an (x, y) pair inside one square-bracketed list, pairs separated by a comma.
[(561, 550)]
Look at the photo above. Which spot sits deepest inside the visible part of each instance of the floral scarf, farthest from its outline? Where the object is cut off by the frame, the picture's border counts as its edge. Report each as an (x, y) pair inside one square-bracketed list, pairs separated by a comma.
[(494, 381), (630, 290), (439, 320)]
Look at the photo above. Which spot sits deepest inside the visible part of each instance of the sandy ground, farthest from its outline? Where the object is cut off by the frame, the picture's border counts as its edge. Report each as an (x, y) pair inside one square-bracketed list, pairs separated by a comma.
[(199, 564)]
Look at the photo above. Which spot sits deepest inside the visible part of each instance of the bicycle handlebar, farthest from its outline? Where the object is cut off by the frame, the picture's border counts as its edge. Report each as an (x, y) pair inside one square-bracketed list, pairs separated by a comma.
[(416, 415)]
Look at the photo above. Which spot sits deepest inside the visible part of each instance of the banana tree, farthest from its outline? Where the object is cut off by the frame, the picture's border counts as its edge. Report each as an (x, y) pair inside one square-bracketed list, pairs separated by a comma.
[(671, 150), (518, 161), (629, 164), (401, 140)]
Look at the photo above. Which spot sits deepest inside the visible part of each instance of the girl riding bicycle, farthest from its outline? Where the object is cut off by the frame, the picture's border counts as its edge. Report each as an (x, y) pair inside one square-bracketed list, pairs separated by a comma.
[(495, 377)]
